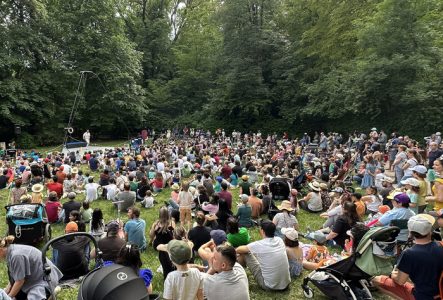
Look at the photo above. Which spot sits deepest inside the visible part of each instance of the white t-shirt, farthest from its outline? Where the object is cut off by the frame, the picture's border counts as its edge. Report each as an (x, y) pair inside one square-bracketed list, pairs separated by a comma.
[(182, 285), (91, 191), (112, 192), (227, 285), (271, 255)]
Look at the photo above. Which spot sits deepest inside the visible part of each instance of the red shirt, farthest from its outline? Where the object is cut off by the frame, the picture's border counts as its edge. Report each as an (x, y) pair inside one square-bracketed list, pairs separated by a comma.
[(158, 183), (55, 187), (52, 210)]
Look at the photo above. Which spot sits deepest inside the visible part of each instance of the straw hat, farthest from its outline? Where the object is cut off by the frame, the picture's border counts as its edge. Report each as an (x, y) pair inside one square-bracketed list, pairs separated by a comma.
[(37, 188), (245, 177), (285, 205), (175, 187), (74, 170), (314, 186)]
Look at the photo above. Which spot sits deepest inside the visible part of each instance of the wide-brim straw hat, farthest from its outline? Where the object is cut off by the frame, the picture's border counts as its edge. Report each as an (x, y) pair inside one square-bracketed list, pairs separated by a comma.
[(37, 188), (285, 205), (315, 186), (74, 170)]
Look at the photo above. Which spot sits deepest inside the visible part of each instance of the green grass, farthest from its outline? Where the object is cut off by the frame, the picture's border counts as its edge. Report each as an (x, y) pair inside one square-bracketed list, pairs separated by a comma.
[(149, 257)]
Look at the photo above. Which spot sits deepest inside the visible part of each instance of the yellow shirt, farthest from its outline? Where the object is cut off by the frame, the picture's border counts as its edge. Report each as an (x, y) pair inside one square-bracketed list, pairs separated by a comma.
[(422, 192), (437, 205)]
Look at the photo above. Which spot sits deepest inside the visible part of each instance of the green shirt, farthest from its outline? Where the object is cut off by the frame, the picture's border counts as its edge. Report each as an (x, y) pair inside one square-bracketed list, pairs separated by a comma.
[(239, 239), (134, 186)]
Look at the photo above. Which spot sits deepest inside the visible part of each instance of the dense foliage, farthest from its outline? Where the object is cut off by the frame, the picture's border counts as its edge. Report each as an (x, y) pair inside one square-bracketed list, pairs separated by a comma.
[(277, 65)]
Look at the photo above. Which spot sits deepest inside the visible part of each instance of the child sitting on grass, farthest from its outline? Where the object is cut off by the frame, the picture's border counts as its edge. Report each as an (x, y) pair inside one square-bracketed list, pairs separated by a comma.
[(148, 201), (86, 212), (318, 253)]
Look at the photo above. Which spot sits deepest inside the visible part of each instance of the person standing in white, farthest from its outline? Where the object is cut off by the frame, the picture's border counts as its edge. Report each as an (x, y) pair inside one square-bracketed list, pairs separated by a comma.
[(267, 259), (87, 137)]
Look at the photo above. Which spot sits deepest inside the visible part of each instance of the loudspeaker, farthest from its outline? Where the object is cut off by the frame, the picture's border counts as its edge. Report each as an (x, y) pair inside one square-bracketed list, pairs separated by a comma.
[(17, 130)]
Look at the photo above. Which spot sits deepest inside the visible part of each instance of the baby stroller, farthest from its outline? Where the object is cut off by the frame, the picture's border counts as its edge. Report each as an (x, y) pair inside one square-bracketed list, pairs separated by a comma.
[(28, 223), (279, 188), (71, 282), (348, 278)]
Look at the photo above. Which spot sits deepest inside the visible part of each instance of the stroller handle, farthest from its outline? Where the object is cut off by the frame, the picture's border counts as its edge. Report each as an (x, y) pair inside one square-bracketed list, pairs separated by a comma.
[(47, 268)]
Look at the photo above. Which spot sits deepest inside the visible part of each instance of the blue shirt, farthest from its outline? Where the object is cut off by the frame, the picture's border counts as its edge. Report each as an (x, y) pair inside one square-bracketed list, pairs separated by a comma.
[(399, 213), (135, 229)]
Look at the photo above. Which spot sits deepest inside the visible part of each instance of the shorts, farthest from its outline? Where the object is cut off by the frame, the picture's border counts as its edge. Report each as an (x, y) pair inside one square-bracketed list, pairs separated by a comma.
[(389, 286), (185, 215)]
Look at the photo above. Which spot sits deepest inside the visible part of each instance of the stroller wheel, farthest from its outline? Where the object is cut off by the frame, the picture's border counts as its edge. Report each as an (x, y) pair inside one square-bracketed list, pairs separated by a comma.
[(48, 233), (308, 292)]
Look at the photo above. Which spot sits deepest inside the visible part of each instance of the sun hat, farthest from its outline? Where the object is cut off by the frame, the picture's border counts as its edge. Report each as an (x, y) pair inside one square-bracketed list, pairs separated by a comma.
[(37, 188), (323, 186), (71, 227), (285, 205), (175, 187), (320, 237), (421, 223), (245, 177), (419, 169), (402, 198), (219, 236), (290, 233), (25, 197), (179, 251), (314, 186), (74, 170), (411, 181)]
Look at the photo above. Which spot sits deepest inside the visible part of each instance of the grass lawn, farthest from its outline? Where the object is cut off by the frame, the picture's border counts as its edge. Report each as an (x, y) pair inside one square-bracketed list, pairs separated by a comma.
[(149, 257)]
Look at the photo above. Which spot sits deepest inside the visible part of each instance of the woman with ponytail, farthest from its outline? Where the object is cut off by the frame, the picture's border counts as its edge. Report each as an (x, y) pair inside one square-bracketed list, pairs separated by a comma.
[(25, 270)]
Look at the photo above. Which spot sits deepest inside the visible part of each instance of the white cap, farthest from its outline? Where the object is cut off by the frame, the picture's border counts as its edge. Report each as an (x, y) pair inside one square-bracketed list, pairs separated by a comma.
[(290, 233), (421, 223), (410, 181), (419, 169)]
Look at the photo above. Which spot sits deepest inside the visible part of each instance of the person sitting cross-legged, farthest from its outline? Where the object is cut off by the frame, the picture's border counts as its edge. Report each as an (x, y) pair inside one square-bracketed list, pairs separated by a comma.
[(267, 259)]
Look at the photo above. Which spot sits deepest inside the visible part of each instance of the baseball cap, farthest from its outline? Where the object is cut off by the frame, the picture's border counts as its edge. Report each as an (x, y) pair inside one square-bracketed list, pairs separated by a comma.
[(290, 233), (402, 198), (244, 197), (410, 181), (179, 252), (420, 169), (421, 223), (71, 227), (219, 236), (320, 237)]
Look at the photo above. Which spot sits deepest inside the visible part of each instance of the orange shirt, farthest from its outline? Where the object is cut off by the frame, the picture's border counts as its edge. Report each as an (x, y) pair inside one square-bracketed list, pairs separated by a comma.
[(361, 208), (257, 206)]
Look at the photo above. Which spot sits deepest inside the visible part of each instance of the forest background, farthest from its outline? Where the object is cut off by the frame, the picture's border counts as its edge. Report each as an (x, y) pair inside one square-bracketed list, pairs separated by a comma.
[(273, 65)]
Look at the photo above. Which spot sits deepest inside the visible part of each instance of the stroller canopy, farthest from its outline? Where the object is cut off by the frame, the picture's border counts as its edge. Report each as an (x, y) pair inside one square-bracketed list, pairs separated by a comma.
[(25, 214), (114, 282), (279, 188), (368, 257)]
